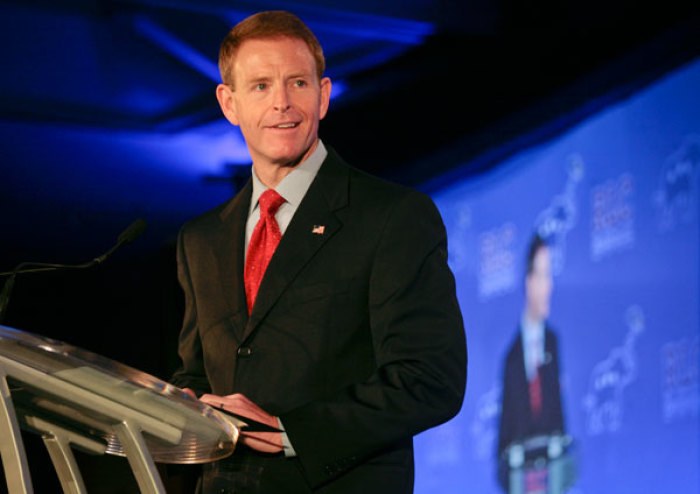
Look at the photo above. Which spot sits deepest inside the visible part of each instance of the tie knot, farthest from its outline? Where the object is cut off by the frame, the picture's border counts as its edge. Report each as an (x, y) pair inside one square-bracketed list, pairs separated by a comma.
[(269, 201)]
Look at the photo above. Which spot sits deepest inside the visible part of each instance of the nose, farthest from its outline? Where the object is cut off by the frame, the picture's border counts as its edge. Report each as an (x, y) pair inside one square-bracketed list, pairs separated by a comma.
[(281, 99)]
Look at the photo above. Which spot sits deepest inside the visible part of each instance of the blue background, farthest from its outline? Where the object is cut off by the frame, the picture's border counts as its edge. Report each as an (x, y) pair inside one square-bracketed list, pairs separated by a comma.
[(632, 174)]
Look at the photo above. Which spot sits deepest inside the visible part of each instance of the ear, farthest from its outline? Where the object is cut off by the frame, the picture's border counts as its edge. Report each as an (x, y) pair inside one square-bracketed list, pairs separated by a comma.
[(325, 96), (225, 95)]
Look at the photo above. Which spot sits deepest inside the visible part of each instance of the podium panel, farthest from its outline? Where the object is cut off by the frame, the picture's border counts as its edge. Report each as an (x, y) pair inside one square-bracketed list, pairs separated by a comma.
[(543, 464), (75, 398)]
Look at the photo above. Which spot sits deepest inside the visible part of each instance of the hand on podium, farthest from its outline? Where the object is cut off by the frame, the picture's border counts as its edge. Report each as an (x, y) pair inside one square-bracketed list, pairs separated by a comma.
[(265, 442)]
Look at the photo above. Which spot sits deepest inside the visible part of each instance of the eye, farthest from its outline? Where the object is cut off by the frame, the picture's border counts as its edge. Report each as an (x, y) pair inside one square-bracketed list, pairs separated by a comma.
[(260, 86), (300, 83)]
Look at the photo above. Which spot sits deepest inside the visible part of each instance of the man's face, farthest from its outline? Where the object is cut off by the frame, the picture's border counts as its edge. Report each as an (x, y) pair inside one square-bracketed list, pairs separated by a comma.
[(277, 99), (538, 286)]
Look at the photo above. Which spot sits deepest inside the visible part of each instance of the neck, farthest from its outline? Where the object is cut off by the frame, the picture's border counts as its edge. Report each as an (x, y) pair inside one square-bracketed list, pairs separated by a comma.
[(271, 174), (531, 318)]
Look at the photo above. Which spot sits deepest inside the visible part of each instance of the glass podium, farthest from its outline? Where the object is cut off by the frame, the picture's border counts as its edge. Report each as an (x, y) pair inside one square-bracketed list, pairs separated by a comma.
[(541, 464), (77, 399)]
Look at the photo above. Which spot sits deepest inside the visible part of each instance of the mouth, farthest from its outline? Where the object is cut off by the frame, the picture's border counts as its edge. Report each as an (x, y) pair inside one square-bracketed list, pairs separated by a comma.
[(285, 125)]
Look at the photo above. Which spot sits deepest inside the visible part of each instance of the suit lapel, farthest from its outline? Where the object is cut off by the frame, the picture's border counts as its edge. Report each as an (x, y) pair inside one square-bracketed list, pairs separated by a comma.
[(229, 253), (326, 195)]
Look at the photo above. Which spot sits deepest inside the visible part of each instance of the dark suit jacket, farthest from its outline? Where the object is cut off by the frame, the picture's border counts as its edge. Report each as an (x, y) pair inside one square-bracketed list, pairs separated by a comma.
[(517, 422), (356, 339)]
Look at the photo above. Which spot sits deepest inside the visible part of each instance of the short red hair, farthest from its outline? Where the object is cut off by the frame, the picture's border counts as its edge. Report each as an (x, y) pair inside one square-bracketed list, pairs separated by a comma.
[(271, 24)]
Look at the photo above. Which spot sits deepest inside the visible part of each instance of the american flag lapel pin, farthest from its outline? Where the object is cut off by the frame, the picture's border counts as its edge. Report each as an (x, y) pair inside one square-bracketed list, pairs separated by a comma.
[(318, 229)]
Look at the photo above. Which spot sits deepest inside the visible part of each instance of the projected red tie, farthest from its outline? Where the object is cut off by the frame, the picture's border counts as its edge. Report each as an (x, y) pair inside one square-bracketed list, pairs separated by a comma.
[(263, 243), (536, 395)]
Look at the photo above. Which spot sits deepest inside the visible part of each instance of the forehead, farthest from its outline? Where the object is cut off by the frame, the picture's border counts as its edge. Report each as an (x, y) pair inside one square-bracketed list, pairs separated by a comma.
[(268, 56)]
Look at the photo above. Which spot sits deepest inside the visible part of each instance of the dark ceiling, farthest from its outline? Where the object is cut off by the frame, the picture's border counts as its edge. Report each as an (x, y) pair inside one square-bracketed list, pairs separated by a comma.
[(107, 108), (417, 77)]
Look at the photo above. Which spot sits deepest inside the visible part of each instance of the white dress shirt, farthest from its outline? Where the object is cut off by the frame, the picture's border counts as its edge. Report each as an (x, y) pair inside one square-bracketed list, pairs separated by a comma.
[(292, 188), (532, 334)]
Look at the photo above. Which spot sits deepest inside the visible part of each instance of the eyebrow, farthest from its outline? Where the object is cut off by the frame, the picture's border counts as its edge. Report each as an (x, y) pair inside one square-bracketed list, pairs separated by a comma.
[(256, 80), (296, 75), (300, 75)]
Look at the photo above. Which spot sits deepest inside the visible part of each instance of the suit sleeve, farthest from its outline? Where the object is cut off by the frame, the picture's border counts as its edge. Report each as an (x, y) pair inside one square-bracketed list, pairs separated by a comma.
[(508, 415), (555, 402), (419, 347), (191, 374)]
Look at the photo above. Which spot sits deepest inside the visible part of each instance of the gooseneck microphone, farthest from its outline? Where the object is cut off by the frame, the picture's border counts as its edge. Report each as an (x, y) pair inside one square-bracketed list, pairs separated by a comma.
[(126, 237)]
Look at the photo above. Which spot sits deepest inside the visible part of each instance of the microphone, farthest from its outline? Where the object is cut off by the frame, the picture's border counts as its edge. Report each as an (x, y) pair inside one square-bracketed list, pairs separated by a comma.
[(126, 237)]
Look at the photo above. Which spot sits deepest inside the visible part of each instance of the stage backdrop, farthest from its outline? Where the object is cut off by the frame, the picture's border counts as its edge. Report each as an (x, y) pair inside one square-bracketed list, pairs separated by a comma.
[(618, 197)]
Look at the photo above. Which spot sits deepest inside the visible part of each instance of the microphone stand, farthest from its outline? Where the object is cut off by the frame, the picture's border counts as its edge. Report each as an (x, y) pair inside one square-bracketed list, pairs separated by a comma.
[(126, 237)]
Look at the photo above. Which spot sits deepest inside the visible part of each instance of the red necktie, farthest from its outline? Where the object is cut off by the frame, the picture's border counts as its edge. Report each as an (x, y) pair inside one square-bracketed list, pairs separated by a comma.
[(263, 243), (536, 395)]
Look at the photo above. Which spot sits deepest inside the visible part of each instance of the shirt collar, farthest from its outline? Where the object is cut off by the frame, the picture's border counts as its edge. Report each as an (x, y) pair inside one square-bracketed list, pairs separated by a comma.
[(532, 330), (293, 187)]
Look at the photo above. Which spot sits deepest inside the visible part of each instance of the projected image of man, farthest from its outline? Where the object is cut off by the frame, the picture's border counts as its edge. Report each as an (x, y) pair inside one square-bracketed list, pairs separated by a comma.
[(531, 401)]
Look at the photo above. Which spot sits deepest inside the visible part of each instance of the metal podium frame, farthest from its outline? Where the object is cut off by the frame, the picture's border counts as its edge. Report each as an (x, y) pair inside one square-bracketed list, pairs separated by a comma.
[(77, 399)]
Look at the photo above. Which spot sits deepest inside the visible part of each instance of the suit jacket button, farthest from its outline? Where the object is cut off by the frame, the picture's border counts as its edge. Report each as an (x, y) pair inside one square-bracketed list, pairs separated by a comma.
[(244, 351)]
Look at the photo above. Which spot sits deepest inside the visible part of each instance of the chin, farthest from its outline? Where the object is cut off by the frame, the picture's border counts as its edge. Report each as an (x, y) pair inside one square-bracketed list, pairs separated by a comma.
[(285, 155)]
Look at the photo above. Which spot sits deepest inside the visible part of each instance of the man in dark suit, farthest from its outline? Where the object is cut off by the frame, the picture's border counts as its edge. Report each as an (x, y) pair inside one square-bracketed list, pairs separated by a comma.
[(318, 300), (531, 400)]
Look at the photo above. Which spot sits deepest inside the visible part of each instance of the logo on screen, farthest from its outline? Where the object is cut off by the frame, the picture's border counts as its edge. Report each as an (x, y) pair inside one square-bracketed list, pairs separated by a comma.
[(460, 254), (555, 222), (612, 216), (679, 372), (675, 198), (604, 401), (484, 426), (497, 270)]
